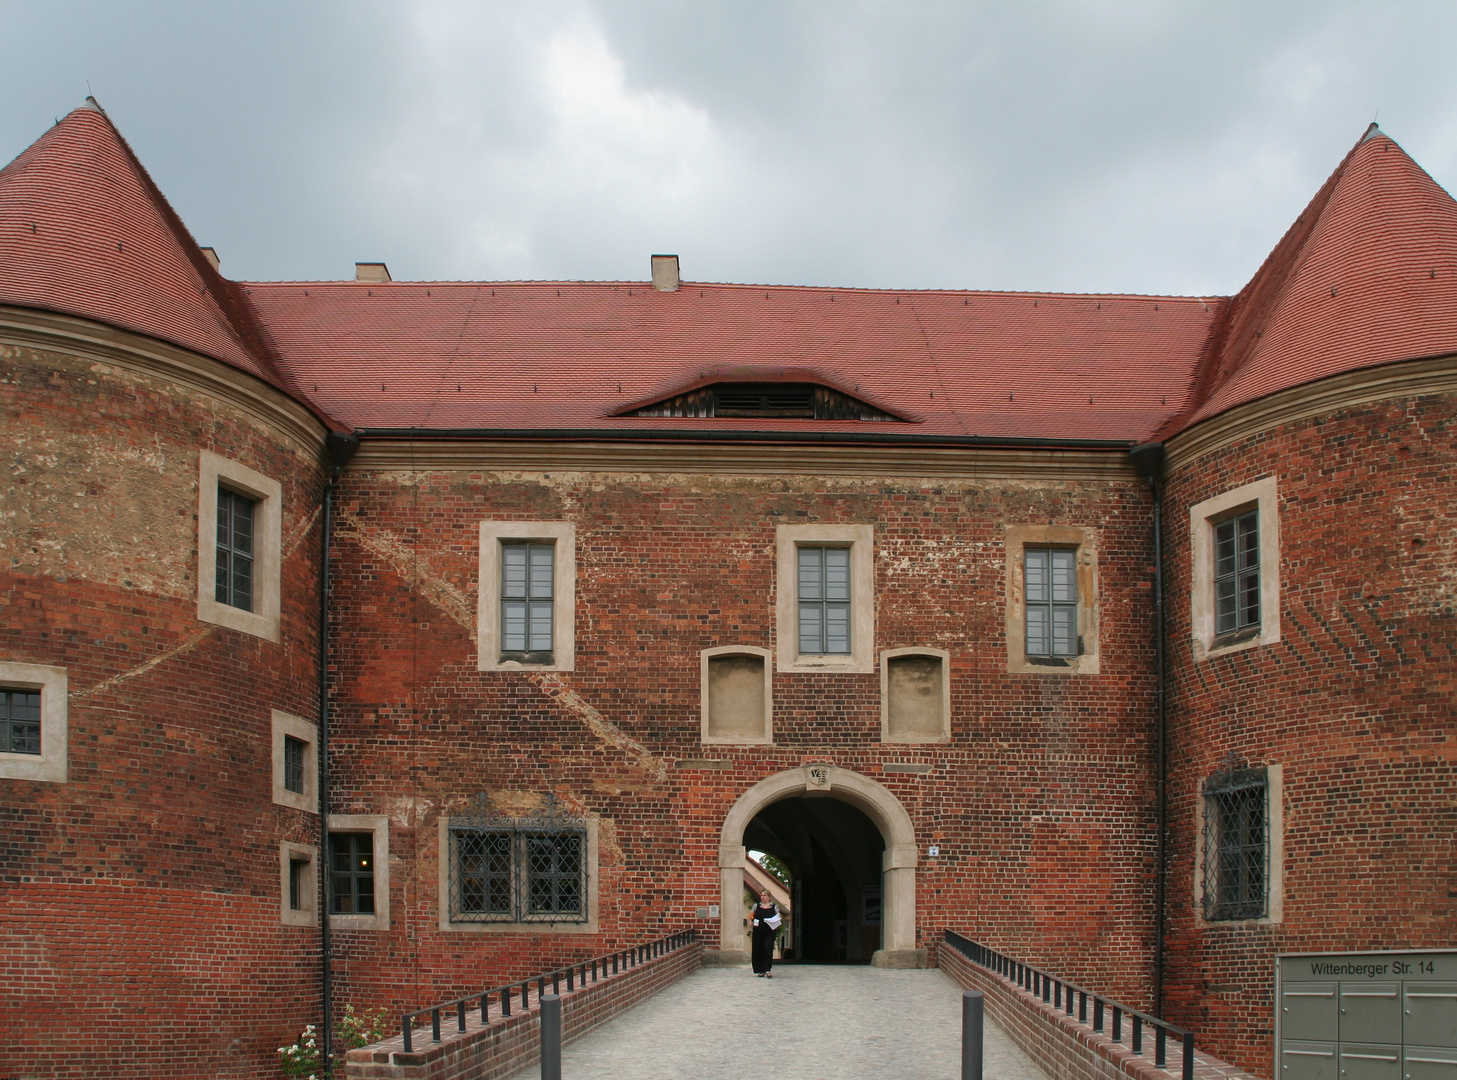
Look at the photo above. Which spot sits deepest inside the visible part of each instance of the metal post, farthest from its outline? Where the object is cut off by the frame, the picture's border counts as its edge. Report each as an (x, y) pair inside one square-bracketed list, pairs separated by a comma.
[(551, 1037), (972, 1009), (1188, 1072)]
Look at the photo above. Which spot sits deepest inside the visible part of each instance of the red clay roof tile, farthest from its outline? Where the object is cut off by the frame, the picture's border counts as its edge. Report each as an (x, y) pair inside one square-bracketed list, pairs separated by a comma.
[(1368, 275), (84, 231)]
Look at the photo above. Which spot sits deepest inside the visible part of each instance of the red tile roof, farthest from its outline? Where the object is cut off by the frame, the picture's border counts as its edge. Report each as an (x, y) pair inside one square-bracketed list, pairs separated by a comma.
[(571, 355), (84, 231), (1368, 275)]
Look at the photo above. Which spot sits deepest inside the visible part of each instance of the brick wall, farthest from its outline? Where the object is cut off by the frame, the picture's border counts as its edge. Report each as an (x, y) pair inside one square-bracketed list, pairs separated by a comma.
[(1355, 702), (506, 1045), (1040, 804), (1067, 1049), (139, 905)]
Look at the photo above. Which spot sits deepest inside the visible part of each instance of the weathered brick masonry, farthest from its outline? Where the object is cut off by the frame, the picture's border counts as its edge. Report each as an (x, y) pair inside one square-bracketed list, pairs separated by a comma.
[(672, 564), (1355, 702), (143, 895), (139, 899)]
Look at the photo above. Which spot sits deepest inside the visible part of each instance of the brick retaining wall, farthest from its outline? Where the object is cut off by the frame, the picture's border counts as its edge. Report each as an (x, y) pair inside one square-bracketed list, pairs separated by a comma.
[(1063, 1047), (507, 1045)]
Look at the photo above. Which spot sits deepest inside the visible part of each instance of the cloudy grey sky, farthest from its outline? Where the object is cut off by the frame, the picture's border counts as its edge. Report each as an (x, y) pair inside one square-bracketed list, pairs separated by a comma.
[(1085, 145)]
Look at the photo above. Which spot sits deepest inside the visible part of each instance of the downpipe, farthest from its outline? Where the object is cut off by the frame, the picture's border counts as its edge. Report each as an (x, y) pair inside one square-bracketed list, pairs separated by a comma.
[(340, 447), (1148, 459)]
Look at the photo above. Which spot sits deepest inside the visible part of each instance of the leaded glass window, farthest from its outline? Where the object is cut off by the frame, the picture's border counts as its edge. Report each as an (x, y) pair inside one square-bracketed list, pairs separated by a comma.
[(553, 873), (526, 868), (20, 721), (824, 600), (1237, 574), (293, 764), (351, 873), (1236, 845), (483, 872), (1051, 602), (235, 549), (526, 601)]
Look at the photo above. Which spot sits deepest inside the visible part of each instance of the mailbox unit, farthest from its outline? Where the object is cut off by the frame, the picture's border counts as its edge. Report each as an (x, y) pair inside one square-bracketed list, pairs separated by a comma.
[(1366, 1016)]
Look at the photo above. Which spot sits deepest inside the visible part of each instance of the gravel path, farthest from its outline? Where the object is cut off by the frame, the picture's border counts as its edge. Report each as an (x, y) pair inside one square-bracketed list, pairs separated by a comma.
[(807, 1023)]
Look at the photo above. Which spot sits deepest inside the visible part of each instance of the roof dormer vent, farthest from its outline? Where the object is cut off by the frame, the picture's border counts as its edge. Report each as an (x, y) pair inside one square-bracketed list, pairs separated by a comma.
[(665, 273), (211, 255), (371, 272)]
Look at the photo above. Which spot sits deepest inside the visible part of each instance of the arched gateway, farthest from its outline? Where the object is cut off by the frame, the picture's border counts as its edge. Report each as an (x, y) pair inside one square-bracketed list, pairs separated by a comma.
[(899, 861)]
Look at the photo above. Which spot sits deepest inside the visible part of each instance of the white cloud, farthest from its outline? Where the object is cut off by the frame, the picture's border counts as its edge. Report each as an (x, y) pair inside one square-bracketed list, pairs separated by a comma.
[(568, 155)]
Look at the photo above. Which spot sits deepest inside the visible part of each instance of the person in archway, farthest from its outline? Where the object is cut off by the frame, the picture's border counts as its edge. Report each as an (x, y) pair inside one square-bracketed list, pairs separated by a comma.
[(765, 921)]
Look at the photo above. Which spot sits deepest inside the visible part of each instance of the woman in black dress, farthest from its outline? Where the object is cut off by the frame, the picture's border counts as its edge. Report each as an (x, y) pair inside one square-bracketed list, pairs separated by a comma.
[(765, 921)]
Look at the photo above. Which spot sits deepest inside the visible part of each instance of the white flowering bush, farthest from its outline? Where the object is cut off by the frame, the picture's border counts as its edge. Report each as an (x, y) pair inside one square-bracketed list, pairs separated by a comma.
[(303, 1057)]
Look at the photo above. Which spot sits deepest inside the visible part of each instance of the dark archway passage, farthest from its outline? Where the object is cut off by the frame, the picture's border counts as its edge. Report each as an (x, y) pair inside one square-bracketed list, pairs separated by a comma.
[(834, 852)]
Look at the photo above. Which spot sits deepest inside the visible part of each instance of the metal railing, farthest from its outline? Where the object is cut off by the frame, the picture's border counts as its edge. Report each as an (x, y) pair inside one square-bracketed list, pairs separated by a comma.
[(578, 973), (1060, 994)]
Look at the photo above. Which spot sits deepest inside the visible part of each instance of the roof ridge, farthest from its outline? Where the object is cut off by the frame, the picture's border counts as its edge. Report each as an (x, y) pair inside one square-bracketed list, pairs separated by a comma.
[(646, 286)]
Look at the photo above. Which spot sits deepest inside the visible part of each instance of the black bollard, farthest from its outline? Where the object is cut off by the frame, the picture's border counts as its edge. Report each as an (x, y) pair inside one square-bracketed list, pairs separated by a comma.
[(972, 1004), (551, 1037)]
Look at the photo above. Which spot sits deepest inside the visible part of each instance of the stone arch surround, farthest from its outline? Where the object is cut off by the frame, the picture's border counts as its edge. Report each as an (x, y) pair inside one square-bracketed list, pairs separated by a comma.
[(898, 863)]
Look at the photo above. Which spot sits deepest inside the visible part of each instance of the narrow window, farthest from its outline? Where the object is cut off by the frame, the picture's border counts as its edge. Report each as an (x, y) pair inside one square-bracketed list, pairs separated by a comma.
[(526, 602), (20, 714), (824, 600), (1236, 845), (235, 549), (1052, 602), (351, 871), (553, 873), (293, 764), (482, 873), (1237, 574), (298, 884)]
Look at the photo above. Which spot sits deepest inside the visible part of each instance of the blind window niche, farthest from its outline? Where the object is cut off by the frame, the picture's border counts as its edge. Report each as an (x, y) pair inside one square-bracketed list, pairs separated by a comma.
[(824, 600), (1052, 602), (915, 691), (527, 597), (737, 700)]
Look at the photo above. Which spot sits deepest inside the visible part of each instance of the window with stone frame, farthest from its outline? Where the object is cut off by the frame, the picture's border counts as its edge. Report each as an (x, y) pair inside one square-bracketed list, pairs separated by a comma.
[(527, 601), (20, 721), (233, 583), (1237, 575), (295, 751), (351, 873), (1236, 859), (1051, 603), (824, 600), (526, 869)]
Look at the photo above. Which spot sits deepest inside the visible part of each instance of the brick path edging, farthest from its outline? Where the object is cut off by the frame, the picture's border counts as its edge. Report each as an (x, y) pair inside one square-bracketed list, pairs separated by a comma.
[(508, 1044), (1062, 1046)]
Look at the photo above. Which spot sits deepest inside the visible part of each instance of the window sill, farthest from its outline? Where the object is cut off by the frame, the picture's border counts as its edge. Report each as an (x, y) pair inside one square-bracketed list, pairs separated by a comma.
[(847, 662), (1233, 643), (589, 927), (1085, 664)]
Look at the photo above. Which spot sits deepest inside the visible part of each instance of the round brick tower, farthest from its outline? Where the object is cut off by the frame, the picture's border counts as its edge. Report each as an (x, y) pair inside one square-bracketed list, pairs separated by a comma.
[(1311, 515), (161, 598)]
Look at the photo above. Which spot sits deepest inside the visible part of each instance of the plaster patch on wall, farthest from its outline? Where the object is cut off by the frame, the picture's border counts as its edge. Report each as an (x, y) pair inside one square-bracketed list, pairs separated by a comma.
[(141, 669), (411, 566), (555, 687)]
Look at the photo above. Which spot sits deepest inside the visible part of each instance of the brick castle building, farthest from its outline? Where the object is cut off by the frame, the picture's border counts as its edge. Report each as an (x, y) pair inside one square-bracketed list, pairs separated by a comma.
[(1115, 632)]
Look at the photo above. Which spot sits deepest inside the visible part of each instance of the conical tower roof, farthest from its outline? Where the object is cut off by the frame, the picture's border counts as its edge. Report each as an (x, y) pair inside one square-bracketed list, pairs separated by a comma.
[(85, 231), (1367, 275)]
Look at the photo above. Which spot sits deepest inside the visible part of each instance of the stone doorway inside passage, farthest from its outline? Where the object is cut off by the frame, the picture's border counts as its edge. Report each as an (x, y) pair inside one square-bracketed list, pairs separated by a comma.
[(865, 841)]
